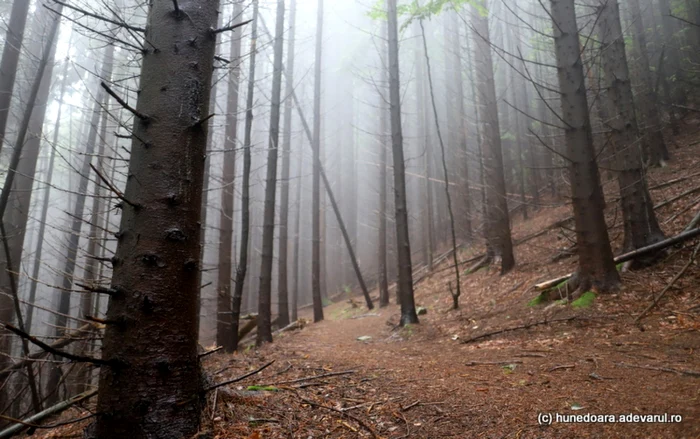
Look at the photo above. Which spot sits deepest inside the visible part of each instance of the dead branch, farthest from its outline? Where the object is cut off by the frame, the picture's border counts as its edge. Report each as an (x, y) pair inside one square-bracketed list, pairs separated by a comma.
[(309, 378), (630, 255), (229, 28), (240, 378), (660, 369), (670, 284), (348, 415), (563, 366), (492, 363), (204, 354), (123, 103), (100, 17), (516, 328), (116, 191), (58, 408), (53, 350)]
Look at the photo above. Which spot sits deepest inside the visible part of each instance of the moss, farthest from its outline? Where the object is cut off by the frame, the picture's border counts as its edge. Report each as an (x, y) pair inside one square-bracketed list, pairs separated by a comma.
[(539, 300), (585, 301)]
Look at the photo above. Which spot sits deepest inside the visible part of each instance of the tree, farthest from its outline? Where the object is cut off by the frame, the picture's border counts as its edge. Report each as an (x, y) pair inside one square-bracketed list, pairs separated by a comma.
[(265, 294), (497, 225), (640, 223), (10, 58), (316, 177), (282, 274), (403, 245), (245, 183), (656, 149), (596, 268), (71, 257), (150, 342), (383, 125), (224, 330)]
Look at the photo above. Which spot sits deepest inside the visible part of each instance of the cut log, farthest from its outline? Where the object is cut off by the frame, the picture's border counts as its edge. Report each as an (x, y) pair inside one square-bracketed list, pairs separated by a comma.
[(630, 255), (58, 408)]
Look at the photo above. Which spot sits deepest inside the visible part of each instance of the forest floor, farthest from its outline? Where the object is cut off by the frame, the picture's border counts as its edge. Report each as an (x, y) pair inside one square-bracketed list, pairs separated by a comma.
[(357, 374)]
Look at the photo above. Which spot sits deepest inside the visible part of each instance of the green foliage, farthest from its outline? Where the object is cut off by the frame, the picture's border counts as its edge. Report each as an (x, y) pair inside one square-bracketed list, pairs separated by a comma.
[(585, 301), (262, 389), (539, 300), (414, 11)]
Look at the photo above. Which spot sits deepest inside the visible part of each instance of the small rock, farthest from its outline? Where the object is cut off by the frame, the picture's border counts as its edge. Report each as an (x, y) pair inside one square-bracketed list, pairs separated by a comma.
[(421, 311)]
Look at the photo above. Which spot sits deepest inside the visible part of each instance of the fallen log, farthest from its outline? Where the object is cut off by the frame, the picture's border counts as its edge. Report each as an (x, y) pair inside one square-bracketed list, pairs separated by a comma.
[(58, 408), (629, 256), (516, 328)]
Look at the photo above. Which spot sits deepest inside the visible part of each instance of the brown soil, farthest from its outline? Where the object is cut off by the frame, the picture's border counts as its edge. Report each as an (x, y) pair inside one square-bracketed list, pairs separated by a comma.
[(424, 381)]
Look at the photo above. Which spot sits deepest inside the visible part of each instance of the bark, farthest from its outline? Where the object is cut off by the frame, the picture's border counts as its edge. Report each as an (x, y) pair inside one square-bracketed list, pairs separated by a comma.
[(497, 226), (152, 385), (10, 59), (656, 151), (316, 177), (297, 238), (224, 330), (283, 269), (670, 64), (71, 257), (15, 200), (245, 184), (265, 293), (381, 233), (455, 295), (403, 245), (595, 268), (45, 203), (640, 224)]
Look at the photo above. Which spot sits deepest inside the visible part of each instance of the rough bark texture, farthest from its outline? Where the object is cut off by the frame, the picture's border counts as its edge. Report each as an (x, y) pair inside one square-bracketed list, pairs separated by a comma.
[(595, 268), (316, 177), (266, 263), (497, 226), (224, 330), (245, 184), (403, 245), (10, 58), (283, 271), (152, 387)]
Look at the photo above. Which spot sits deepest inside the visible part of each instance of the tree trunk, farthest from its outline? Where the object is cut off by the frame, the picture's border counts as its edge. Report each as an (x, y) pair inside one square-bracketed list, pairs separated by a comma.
[(283, 269), (152, 386), (640, 223), (316, 178), (497, 225), (265, 294), (10, 58), (383, 125), (403, 245), (595, 267), (245, 184), (656, 150), (15, 200), (224, 330)]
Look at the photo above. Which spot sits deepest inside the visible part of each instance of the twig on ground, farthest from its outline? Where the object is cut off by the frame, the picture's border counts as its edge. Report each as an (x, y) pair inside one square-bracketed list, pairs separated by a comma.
[(309, 378), (660, 369), (491, 363), (515, 328), (359, 421), (240, 378), (563, 366)]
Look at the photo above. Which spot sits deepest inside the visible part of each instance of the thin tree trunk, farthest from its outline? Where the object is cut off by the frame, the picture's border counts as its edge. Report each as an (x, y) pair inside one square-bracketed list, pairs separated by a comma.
[(297, 236), (316, 178), (595, 267), (497, 226), (224, 330), (403, 245), (245, 184), (381, 233), (455, 295), (640, 223), (265, 293), (15, 200), (10, 59), (150, 340), (283, 269), (71, 257)]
